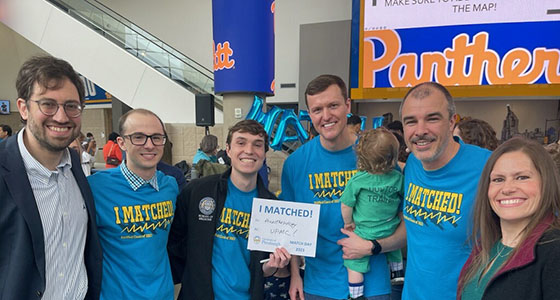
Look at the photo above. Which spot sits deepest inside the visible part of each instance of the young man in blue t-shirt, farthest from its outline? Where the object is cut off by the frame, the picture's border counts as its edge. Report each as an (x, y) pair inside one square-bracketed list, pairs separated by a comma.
[(208, 239), (135, 205), (317, 172)]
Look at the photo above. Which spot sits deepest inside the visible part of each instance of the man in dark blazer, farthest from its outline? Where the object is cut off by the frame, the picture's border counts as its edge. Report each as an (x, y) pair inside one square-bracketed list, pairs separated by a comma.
[(49, 245)]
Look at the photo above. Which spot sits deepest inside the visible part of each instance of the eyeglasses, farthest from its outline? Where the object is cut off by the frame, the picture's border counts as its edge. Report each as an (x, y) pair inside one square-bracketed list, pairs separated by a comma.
[(140, 139), (48, 107)]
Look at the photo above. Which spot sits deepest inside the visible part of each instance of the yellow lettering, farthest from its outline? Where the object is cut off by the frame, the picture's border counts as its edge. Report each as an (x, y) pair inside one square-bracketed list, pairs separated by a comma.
[(437, 200), (117, 219), (127, 214), (236, 215), (138, 213), (328, 184), (418, 195), (246, 219), (146, 208), (347, 176), (159, 210), (319, 181), (152, 207), (452, 203), (444, 201), (228, 216), (333, 175), (340, 181)]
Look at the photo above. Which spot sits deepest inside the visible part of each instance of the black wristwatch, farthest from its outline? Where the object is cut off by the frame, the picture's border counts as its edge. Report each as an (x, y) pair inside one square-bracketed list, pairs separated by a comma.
[(376, 248)]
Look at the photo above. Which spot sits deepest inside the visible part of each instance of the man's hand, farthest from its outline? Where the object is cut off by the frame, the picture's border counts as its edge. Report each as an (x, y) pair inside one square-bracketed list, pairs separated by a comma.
[(296, 283), (350, 226), (278, 259), (296, 287), (353, 246)]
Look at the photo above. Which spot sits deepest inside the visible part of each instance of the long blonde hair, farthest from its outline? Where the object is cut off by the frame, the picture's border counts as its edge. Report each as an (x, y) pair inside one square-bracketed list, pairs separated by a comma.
[(486, 224)]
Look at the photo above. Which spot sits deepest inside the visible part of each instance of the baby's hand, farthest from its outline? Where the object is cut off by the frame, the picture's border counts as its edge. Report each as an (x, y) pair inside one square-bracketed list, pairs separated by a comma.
[(350, 226)]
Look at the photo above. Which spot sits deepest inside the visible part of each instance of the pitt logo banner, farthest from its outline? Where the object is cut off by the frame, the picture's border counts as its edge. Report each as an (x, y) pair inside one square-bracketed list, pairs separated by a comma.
[(243, 34), (478, 47)]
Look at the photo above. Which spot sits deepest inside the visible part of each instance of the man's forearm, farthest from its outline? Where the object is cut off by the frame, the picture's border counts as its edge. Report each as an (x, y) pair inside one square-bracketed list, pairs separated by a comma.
[(395, 241)]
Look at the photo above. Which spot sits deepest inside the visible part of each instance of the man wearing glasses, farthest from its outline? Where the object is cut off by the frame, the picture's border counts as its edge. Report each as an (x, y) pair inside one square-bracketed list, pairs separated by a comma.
[(135, 206), (49, 244)]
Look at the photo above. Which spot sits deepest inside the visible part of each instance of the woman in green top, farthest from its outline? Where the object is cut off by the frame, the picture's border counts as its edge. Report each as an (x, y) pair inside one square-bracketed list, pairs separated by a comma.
[(516, 236)]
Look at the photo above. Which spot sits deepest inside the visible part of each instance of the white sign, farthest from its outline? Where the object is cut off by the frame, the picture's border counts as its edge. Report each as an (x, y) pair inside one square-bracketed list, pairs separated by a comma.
[(285, 224), (380, 14)]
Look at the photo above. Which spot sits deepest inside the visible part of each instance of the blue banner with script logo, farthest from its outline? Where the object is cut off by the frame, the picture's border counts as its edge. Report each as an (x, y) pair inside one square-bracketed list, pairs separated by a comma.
[(243, 46)]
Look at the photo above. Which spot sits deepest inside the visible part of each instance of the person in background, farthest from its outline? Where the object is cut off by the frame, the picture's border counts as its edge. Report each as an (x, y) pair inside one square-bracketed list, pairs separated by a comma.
[(516, 231), (49, 246), (88, 143), (85, 159), (396, 126), (554, 151), (208, 149), (5, 132), (112, 154), (477, 132), (354, 124)]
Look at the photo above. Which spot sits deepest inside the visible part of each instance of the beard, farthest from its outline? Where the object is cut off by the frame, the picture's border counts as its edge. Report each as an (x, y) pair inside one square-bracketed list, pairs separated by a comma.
[(52, 144)]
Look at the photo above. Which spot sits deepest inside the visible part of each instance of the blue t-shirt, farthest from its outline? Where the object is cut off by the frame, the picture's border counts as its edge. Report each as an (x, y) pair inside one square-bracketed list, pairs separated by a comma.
[(437, 213), (201, 155), (313, 174), (231, 276), (133, 227)]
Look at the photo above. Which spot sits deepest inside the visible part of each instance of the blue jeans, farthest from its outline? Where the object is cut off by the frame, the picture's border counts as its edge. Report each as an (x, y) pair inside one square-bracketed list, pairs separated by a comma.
[(315, 297)]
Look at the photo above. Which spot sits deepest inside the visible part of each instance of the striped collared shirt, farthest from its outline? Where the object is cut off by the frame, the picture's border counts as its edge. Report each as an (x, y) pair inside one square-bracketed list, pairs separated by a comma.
[(136, 181), (64, 221)]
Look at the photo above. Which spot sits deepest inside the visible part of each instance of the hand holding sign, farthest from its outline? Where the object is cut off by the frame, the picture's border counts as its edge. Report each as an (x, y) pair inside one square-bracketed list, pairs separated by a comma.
[(284, 224)]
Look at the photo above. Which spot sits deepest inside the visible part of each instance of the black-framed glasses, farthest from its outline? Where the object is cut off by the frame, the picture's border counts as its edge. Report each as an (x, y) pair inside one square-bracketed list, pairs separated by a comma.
[(50, 107), (140, 139)]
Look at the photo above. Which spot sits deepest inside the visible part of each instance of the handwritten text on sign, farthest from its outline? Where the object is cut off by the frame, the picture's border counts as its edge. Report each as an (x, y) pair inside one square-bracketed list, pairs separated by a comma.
[(284, 224)]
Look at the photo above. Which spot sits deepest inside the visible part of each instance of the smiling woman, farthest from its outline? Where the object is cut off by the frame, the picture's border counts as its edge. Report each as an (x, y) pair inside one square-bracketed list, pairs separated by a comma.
[(516, 232)]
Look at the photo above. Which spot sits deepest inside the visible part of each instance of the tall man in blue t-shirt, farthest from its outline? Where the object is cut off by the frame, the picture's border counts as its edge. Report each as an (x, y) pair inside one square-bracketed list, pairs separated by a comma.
[(441, 178), (135, 205), (317, 172), (208, 239)]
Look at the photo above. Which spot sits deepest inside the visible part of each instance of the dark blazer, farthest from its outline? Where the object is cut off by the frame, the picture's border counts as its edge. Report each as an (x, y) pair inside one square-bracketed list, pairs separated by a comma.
[(22, 249)]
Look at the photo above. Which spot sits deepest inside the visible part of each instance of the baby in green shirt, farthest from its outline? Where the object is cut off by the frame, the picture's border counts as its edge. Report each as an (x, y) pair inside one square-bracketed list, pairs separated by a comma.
[(371, 201)]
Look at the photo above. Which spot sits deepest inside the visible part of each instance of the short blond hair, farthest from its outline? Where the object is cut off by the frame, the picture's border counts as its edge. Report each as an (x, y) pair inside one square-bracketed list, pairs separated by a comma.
[(377, 151)]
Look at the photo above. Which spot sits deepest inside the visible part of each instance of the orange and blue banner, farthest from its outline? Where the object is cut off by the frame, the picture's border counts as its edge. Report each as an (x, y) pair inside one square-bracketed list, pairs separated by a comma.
[(477, 48), (243, 46)]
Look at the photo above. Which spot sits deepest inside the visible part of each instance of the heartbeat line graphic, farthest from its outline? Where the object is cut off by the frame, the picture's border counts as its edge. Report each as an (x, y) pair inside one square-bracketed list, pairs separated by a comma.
[(234, 230), (323, 193), (431, 215), (146, 226)]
